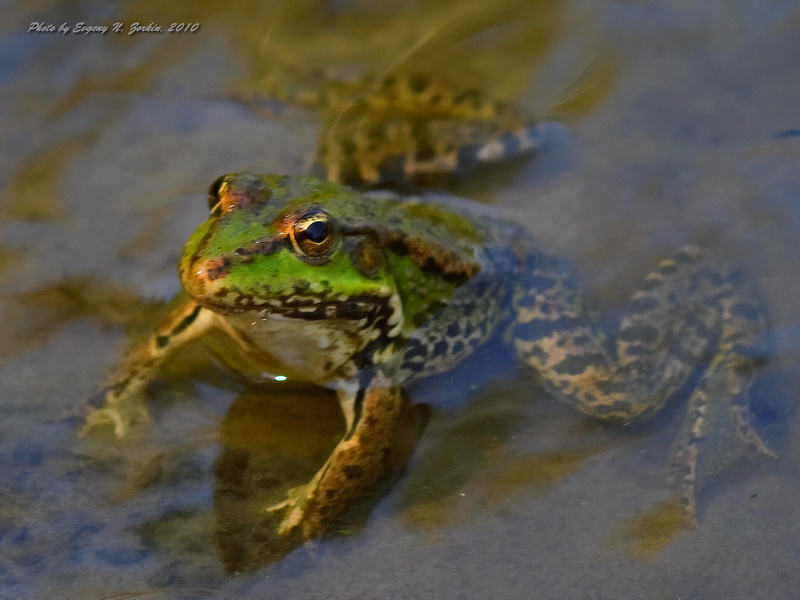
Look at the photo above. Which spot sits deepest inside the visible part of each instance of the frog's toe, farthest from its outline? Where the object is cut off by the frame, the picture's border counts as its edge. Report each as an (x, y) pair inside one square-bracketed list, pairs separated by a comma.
[(688, 503), (684, 467), (121, 421), (291, 520), (292, 517), (747, 434), (296, 517)]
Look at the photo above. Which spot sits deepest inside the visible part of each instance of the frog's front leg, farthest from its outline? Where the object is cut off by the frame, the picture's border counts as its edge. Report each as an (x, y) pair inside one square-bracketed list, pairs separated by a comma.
[(119, 398), (375, 444)]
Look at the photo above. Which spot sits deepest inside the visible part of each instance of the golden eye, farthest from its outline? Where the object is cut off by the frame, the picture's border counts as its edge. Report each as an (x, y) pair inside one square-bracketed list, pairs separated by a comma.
[(314, 235)]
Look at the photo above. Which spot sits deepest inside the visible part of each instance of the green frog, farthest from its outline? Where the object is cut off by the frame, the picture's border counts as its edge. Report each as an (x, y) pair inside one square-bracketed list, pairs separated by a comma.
[(365, 292)]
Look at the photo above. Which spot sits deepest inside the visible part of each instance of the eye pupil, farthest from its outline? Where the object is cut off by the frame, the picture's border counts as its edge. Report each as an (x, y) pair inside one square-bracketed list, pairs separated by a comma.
[(314, 236), (317, 231)]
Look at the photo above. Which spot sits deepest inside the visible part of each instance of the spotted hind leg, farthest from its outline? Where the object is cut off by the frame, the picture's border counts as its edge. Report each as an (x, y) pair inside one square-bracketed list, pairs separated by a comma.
[(683, 315)]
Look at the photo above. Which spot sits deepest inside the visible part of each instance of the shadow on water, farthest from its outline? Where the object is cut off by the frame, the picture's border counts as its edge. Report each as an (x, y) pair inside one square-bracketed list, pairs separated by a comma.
[(269, 445), (473, 463)]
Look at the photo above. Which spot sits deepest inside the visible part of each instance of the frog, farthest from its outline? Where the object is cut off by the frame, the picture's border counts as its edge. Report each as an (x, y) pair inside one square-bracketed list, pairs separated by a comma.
[(364, 292)]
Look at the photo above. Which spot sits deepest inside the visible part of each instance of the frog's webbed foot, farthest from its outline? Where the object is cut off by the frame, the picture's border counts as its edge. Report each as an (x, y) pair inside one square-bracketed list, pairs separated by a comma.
[(377, 442), (121, 403), (717, 429)]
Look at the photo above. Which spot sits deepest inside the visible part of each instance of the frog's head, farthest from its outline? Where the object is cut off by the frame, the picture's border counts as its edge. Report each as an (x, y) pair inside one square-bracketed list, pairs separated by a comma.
[(289, 247)]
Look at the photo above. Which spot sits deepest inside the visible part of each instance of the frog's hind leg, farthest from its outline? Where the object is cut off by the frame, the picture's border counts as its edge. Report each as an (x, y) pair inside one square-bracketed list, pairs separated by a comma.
[(717, 429), (682, 316)]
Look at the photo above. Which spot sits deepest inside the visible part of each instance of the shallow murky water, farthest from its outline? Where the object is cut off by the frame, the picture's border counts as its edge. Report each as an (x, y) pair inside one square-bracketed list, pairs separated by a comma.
[(680, 125)]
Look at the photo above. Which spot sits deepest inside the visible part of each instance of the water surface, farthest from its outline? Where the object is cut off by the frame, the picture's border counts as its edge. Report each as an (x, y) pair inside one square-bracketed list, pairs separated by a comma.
[(681, 126)]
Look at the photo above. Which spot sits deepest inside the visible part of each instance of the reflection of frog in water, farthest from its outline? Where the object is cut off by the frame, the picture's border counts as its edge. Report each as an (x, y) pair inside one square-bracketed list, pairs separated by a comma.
[(409, 129), (365, 292)]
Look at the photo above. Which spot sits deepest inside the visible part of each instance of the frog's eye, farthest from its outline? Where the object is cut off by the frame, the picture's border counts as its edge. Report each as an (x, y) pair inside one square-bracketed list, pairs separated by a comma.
[(314, 235), (215, 191)]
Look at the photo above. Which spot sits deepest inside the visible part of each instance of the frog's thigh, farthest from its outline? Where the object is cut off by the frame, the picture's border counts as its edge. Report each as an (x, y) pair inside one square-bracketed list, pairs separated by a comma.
[(553, 334)]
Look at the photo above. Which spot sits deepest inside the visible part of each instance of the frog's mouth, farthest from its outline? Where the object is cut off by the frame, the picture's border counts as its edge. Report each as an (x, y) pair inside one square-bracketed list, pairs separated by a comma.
[(371, 307)]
